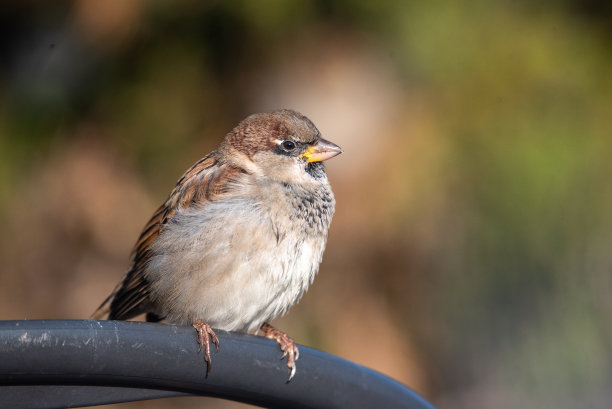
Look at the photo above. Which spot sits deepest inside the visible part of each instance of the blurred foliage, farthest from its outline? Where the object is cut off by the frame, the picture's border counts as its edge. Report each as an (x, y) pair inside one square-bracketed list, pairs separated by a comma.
[(487, 216)]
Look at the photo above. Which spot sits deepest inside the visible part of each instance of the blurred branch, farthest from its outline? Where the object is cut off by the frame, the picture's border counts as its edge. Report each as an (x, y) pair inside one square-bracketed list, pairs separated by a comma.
[(52, 364)]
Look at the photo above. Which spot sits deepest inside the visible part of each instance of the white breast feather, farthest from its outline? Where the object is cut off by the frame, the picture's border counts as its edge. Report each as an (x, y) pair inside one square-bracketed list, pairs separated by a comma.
[(232, 264)]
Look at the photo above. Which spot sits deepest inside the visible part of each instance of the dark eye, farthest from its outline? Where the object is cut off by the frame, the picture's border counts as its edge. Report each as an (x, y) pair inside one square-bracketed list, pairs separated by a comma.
[(288, 145)]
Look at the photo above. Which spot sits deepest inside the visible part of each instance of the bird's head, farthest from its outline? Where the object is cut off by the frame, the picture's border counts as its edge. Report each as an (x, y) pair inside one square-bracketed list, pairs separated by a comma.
[(282, 145)]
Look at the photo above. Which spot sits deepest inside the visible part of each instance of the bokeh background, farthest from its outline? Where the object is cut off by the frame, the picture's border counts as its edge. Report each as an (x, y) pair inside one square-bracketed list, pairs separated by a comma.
[(470, 255)]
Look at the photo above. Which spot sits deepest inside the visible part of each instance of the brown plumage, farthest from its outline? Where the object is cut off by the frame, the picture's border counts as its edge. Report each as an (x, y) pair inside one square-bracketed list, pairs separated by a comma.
[(203, 181), (240, 237)]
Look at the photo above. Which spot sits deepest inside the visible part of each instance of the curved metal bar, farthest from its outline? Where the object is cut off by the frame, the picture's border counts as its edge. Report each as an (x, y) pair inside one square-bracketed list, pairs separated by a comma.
[(48, 364)]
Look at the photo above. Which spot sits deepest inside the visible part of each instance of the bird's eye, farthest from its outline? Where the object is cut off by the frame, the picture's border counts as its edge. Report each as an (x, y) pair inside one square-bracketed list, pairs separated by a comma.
[(288, 145)]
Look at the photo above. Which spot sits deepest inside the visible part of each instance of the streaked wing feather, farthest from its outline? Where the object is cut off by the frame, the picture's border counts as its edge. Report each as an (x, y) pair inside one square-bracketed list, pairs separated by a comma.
[(203, 182)]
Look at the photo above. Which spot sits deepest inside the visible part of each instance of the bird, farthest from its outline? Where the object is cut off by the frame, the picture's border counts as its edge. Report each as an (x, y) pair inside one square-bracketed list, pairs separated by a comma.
[(239, 239)]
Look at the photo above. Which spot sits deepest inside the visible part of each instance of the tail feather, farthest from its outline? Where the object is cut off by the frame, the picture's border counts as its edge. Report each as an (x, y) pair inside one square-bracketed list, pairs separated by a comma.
[(103, 311)]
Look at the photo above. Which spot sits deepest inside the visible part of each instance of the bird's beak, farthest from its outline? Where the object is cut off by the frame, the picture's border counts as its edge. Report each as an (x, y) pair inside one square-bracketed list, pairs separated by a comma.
[(321, 151)]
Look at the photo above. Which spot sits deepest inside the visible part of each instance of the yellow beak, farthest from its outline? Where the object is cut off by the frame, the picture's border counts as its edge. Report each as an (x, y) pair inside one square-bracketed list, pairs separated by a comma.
[(321, 151)]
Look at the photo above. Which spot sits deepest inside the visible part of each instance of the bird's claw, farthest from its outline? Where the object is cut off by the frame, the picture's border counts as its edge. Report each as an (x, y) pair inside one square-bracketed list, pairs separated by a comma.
[(287, 345), (205, 335)]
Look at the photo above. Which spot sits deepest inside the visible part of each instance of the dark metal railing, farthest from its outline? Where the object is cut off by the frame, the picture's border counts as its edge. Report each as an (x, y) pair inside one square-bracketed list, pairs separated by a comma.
[(59, 364)]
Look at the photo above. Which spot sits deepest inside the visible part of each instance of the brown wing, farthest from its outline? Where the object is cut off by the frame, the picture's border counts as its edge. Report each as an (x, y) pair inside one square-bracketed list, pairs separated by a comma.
[(204, 182)]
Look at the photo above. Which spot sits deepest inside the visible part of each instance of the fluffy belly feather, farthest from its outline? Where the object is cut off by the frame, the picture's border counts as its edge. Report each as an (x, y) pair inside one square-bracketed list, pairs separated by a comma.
[(248, 272)]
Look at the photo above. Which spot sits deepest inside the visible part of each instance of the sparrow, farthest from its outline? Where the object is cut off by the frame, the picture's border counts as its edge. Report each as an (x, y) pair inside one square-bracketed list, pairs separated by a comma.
[(239, 239)]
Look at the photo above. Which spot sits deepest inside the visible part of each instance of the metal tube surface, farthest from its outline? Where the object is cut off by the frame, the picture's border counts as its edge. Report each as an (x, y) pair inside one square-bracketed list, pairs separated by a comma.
[(48, 364)]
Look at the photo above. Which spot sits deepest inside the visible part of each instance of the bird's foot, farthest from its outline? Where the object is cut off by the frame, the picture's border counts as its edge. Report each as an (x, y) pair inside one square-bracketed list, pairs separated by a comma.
[(205, 334), (287, 345)]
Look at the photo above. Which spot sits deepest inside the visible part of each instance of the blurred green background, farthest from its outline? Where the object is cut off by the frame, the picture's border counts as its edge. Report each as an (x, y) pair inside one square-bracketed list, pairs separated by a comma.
[(470, 255)]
